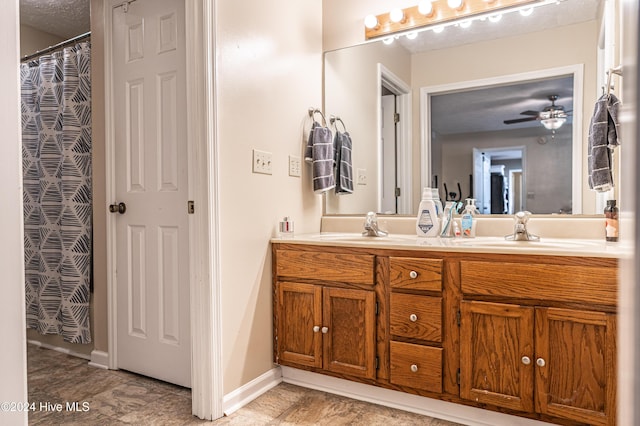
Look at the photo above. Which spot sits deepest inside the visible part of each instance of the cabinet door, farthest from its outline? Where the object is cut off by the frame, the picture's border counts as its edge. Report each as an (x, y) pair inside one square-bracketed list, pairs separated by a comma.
[(299, 322), (576, 366), (496, 347), (349, 333)]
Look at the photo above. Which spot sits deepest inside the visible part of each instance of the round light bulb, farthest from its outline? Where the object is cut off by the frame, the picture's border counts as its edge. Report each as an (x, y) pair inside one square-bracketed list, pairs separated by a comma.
[(495, 18), (466, 23), (526, 12), (387, 40), (370, 22), (396, 15), (425, 7), (455, 4), (412, 35), (438, 29)]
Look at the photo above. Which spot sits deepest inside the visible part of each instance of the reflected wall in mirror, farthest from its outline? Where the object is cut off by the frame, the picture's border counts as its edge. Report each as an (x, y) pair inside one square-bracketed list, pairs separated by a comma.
[(566, 35)]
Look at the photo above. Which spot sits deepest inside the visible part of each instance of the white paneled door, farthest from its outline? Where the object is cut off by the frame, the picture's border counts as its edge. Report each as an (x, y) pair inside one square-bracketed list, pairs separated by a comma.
[(152, 263)]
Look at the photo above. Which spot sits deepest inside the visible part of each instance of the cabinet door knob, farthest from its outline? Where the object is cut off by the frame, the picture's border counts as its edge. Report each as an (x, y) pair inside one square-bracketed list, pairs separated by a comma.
[(414, 368), (325, 330), (541, 362), (413, 317), (526, 360), (413, 275), (316, 328)]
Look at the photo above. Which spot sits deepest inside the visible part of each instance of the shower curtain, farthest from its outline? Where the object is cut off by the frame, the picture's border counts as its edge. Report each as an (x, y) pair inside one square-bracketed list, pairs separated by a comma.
[(56, 161)]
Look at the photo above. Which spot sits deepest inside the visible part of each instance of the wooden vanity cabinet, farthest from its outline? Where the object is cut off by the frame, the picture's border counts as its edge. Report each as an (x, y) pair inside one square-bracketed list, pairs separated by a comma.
[(326, 325), (558, 362), (528, 335), (415, 323)]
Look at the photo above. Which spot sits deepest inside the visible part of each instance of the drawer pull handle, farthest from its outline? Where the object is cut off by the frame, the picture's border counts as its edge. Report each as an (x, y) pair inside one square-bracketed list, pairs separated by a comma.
[(325, 330), (413, 275), (541, 362), (413, 317), (316, 328), (526, 360), (414, 368)]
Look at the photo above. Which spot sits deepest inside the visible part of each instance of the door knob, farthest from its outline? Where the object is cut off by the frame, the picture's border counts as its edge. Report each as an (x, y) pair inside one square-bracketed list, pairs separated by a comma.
[(118, 208), (413, 275), (316, 328)]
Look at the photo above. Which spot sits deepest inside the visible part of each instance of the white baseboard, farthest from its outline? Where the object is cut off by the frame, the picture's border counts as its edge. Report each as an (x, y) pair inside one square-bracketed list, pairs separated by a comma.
[(413, 403), (250, 391), (99, 359), (59, 349)]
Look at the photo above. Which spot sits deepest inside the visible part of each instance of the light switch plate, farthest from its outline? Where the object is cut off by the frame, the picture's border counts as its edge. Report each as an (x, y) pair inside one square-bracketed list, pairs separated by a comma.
[(262, 162), (295, 166), (362, 177)]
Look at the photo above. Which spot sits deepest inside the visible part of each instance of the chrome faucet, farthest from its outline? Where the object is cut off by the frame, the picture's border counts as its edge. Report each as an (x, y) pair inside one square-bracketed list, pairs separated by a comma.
[(520, 232), (371, 228)]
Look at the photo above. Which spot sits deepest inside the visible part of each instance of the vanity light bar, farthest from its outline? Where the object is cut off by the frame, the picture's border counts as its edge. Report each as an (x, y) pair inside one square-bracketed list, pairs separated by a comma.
[(440, 14)]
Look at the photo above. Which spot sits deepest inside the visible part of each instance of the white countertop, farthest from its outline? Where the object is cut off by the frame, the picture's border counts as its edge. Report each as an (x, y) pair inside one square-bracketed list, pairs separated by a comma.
[(482, 244)]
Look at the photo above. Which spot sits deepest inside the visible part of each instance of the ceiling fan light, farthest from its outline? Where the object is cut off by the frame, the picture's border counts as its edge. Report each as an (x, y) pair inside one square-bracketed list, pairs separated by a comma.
[(553, 123)]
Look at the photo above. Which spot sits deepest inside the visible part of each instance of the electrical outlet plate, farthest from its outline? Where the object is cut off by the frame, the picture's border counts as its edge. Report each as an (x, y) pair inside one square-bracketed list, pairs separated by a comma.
[(362, 177), (295, 166), (262, 162)]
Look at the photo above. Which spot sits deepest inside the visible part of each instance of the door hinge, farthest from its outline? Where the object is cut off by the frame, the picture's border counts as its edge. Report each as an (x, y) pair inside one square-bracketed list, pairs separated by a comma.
[(458, 317), (458, 376), (396, 118), (377, 363), (191, 208), (397, 192)]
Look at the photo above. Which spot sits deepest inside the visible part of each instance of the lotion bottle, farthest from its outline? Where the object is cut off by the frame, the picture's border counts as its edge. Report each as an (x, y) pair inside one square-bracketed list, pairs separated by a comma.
[(427, 223), (611, 224), (468, 220)]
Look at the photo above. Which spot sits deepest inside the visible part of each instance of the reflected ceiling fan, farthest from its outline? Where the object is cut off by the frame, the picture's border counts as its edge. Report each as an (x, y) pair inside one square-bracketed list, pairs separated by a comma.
[(552, 117)]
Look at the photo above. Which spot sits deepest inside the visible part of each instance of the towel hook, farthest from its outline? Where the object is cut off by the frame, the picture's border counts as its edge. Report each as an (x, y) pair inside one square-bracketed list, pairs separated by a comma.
[(333, 119), (618, 71), (313, 111)]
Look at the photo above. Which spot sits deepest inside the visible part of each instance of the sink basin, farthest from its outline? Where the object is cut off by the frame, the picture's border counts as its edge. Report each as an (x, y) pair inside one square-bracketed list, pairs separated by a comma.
[(358, 238), (544, 243)]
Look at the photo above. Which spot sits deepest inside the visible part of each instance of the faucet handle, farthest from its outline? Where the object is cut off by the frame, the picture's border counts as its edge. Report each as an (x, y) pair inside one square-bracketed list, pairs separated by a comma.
[(522, 216)]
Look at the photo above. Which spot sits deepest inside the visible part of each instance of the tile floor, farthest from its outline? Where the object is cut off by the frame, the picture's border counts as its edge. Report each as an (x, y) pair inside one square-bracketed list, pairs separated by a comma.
[(122, 398)]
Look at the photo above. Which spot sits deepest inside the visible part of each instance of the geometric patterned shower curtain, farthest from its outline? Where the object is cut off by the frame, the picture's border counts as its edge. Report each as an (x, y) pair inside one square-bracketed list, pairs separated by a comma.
[(56, 155)]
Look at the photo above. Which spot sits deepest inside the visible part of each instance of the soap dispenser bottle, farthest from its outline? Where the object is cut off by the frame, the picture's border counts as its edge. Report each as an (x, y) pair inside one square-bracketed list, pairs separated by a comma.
[(611, 218), (468, 220), (427, 223)]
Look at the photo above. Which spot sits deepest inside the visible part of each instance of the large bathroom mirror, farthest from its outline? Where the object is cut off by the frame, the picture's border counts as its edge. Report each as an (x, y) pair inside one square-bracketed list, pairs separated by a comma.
[(431, 111)]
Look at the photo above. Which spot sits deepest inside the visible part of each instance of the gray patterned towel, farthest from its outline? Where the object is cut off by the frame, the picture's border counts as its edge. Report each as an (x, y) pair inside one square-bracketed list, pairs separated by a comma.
[(603, 137), (308, 149), (322, 154), (344, 172)]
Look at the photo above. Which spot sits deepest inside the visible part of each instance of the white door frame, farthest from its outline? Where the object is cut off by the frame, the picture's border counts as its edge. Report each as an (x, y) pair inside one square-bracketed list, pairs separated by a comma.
[(403, 160), (204, 281), (577, 71)]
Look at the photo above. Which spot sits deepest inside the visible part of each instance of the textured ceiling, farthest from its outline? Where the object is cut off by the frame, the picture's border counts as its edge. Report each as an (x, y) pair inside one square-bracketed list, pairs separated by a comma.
[(64, 18)]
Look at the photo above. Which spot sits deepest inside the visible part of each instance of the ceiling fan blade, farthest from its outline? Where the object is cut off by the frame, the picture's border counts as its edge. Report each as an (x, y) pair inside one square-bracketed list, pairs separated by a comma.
[(520, 120), (530, 112)]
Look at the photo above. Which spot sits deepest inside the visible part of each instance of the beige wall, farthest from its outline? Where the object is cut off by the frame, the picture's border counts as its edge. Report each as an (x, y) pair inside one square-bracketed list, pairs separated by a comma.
[(269, 74), (351, 77), (32, 40), (13, 368)]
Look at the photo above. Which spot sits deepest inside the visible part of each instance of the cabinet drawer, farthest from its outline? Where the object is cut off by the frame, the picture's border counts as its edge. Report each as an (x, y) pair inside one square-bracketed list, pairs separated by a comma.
[(416, 317), (416, 366), (348, 268), (415, 274), (564, 283)]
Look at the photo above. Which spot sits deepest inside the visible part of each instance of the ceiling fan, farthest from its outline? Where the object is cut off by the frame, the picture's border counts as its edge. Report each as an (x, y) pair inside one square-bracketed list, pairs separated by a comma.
[(552, 117)]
